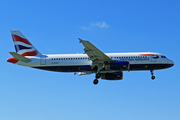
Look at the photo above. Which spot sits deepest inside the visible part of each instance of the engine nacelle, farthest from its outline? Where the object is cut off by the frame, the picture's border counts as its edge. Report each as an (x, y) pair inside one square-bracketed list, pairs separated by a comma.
[(112, 76), (117, 65)]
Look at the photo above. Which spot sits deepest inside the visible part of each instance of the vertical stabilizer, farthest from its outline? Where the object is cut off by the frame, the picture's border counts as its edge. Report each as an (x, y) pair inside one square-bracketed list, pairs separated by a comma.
[(22, 45)]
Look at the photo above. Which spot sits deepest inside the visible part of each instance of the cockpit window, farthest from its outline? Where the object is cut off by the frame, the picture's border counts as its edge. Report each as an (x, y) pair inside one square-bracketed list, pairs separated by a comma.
[(163, 56)]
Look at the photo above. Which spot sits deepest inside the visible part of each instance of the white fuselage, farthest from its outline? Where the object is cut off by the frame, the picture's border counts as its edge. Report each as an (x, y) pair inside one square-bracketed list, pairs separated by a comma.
[(61, 62)]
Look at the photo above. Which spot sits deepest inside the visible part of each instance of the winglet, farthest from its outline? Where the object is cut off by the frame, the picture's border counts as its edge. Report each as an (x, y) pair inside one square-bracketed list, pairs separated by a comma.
[(80, 40)]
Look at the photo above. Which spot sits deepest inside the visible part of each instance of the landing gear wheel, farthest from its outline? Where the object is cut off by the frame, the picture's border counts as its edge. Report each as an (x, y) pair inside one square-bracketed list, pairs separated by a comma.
[(153, 77), (95, 81), (98, 75)]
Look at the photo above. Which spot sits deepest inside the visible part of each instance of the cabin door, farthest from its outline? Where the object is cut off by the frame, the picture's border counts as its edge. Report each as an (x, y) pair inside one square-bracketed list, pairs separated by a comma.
[(43, 60)]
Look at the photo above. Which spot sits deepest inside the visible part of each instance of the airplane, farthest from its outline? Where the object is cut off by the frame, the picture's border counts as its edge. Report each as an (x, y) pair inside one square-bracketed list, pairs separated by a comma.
[(108, 66)]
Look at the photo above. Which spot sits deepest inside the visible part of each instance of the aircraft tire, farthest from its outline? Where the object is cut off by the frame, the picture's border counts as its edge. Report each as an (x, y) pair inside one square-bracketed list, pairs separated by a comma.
[(153, 77), (95, 81), (98, 75)]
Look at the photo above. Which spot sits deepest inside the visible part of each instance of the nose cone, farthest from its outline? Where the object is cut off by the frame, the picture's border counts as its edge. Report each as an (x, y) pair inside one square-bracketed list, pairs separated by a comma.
[(171, 63)]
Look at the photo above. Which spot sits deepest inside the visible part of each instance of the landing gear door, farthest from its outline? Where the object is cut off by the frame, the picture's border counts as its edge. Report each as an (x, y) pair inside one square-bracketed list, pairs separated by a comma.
[(43, 60)]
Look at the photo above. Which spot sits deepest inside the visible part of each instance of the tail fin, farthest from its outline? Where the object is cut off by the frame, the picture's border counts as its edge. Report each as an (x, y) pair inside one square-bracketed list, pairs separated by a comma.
[(22, 45)]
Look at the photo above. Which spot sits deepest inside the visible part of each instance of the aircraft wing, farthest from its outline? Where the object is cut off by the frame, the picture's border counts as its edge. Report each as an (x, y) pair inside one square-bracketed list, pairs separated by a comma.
[(97, 56)]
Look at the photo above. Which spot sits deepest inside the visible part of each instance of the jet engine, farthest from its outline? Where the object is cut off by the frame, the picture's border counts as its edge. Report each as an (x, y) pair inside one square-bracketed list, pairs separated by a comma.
[(112, 76)]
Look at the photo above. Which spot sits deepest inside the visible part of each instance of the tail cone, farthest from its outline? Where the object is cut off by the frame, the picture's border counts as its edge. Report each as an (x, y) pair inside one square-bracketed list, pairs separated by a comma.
[(12, 60)]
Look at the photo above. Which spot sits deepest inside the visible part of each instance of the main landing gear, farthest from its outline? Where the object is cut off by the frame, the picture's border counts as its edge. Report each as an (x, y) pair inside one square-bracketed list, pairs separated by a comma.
[(153, 77), (95, 81), (98, 75)]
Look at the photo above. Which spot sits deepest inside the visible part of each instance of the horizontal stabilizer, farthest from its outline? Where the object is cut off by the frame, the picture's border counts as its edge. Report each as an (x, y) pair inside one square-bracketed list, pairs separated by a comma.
[(19, 57)]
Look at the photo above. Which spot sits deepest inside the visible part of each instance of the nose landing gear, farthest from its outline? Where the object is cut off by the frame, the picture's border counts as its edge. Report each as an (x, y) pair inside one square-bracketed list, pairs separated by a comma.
[(153, 77)]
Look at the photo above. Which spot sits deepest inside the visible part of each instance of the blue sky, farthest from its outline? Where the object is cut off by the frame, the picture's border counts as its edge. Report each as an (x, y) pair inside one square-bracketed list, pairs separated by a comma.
[(113, 26)]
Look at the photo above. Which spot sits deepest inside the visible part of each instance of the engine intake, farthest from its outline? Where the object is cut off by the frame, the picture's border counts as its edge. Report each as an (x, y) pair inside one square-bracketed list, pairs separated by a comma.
[(112, 76)]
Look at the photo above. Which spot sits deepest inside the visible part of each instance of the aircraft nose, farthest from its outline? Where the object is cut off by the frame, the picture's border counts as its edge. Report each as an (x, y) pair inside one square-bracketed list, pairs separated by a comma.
[(171, 63)]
